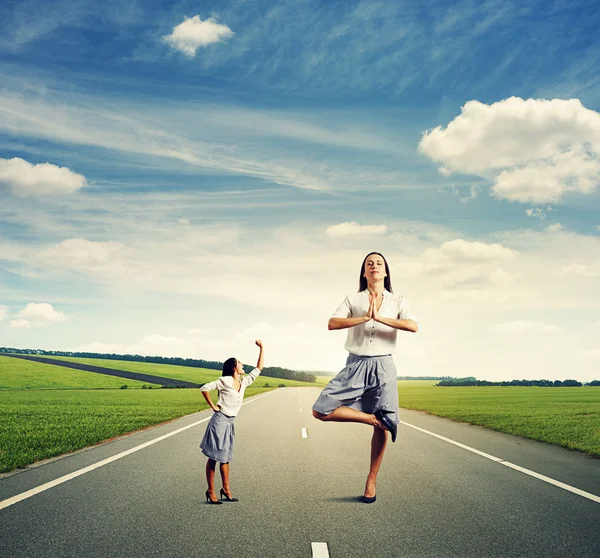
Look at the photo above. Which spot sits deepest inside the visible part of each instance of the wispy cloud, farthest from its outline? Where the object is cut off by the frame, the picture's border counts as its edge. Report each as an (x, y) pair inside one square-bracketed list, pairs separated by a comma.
[(352, 228), (210, 141), (524, 326)]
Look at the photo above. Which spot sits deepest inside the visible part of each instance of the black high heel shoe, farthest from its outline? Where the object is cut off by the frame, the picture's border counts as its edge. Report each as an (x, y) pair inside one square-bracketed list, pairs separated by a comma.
[(209, 500), (227, 498), (387, 422)]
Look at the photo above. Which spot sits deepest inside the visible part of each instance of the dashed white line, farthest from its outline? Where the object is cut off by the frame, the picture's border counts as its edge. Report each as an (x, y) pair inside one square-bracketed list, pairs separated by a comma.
[(500, 461), (43, 487), (319, 550), (304, 433)]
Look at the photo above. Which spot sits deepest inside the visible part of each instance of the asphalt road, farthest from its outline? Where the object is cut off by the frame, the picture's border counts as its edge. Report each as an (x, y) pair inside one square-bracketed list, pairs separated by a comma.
[(435, 498)]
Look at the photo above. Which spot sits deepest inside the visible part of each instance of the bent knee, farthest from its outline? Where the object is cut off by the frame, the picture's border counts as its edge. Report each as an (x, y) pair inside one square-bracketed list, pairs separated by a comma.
[(318, 415)]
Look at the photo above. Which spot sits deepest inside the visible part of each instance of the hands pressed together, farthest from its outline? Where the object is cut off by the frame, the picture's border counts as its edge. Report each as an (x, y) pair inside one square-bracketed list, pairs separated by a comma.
[(372, 312)]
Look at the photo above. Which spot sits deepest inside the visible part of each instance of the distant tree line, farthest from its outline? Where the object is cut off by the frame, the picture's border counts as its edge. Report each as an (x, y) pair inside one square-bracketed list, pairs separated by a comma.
[(424, 378), (471, 381), (277, 372), (271, 371)]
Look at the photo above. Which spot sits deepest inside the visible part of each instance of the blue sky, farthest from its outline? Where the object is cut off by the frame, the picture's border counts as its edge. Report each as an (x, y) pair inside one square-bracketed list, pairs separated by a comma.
[(181, 178)]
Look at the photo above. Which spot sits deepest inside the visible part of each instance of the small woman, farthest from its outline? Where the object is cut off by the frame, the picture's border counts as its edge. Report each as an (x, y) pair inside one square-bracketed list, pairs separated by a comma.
[(366, 390), (217, 443)]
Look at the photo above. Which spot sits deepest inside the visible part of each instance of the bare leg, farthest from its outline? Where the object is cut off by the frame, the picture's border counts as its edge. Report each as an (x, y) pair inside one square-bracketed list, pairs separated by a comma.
[(225, 478), (210, 477), (378, 444), (348, 414)]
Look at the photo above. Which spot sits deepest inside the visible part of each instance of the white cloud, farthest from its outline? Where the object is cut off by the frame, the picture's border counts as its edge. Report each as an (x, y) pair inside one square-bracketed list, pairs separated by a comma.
[(474, 191), (468, 264), (183, 222), (20, 324), (87, 255), (37, 314), (3, 312), (534, 150), (540, 212), (193, 33), (352, 228), (25, 179), (464, 251), (556, 227), (582, 270), (524, 326)]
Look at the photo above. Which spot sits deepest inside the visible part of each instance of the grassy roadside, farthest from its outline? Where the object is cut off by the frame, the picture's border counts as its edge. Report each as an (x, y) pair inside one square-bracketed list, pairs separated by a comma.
[(39, 424), (567, 417)]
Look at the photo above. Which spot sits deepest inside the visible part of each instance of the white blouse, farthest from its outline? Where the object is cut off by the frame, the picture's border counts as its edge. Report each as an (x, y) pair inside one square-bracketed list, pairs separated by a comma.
[(230, 399), (373, 338)]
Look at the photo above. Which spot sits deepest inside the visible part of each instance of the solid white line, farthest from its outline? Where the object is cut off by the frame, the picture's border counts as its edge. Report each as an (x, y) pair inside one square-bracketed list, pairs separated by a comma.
[(529, 472), (43, 487), (562, 485), (319, 550), (468, 448), (304, 433)]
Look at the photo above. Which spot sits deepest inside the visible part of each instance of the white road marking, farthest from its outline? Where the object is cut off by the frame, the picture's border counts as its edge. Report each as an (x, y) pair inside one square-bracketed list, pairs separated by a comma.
[(43, 487), (500, 461), (319, 550), (304, 433)]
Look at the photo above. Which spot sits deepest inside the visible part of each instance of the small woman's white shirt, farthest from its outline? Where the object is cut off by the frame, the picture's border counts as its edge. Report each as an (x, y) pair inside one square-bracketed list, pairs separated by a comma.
[(373, 338), (230, 399)]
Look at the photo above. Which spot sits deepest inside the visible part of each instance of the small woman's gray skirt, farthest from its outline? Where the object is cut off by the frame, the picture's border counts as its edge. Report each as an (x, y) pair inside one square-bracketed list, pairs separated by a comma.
[(367, 383), (217, 443)]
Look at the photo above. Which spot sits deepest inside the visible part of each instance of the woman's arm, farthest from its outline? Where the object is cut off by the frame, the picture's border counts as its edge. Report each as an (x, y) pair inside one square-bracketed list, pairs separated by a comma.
[(261, 358), (214, 407), (345, 323), (405, 325)]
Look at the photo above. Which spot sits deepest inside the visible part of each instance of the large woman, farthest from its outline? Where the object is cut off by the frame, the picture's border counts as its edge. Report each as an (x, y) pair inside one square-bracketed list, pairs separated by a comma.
[(366, 391)]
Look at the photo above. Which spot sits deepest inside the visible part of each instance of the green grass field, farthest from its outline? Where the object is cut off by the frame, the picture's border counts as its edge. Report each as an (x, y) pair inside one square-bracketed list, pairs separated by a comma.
[(38, 424), (567, 417), (24, 374)]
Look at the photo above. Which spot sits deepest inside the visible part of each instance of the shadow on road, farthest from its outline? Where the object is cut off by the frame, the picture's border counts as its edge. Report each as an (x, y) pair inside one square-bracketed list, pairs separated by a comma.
[(346, 499)]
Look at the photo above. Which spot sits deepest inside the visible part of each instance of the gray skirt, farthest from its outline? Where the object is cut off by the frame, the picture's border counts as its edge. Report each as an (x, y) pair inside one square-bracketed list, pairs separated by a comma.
[(367, 383), (217, 443)]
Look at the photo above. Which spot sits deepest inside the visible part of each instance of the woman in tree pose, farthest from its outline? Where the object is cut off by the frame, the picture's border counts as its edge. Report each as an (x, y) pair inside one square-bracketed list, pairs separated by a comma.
[(217, 443), (366, 389)]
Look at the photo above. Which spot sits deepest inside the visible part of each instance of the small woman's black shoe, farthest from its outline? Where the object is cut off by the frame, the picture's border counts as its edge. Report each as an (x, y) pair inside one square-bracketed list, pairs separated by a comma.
[(209, 500), (369, 499), (227, 498)]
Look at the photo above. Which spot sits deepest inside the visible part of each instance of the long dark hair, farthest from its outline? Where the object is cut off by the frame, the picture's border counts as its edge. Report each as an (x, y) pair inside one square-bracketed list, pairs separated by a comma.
[(229, 366), (362, 280)]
